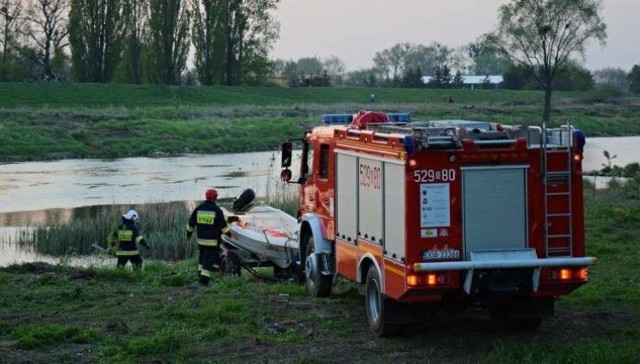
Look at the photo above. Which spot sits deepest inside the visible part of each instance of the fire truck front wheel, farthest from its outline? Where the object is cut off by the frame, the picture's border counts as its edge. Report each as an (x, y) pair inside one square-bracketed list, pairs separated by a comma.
[(318, 284), (377, 313)]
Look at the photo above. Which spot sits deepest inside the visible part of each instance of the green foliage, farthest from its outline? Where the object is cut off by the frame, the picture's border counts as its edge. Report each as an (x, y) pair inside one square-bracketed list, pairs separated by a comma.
[(167, 41), (210, 40), (96, 38)]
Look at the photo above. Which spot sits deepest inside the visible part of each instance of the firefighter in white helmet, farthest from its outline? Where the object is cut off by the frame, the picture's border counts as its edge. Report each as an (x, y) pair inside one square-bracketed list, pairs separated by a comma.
[(128, 238)]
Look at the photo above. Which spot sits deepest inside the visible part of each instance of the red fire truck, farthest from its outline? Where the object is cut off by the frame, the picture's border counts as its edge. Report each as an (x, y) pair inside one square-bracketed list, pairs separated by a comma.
[(442, 214)]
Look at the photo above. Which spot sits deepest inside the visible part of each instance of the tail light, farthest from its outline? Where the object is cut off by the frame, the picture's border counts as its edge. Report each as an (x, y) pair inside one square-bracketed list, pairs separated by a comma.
[(569, 274), (428, 279)]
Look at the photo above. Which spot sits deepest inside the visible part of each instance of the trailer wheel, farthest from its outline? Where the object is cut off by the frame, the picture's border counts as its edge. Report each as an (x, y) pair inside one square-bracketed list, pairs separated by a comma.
[(230, 263), (375, 304), (318, 284)]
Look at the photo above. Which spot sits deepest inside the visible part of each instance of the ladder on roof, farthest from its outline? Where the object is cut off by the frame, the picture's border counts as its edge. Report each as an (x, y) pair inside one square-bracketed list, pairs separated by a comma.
[(557, 170)]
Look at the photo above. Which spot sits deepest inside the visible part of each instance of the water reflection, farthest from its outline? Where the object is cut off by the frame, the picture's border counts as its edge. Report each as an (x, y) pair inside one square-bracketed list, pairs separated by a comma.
[(80, 182)]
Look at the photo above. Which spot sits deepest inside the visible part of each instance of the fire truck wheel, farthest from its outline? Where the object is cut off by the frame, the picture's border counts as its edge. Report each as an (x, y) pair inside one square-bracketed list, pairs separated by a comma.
[(318, 284), (377, 313), (230, 264)]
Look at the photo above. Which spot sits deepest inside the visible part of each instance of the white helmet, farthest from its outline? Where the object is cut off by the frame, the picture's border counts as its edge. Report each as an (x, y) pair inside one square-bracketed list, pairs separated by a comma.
[(131, 215)]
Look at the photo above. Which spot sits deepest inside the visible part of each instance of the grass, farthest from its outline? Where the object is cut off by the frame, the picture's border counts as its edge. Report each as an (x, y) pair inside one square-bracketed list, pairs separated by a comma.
[(41, 121), (54, 313)]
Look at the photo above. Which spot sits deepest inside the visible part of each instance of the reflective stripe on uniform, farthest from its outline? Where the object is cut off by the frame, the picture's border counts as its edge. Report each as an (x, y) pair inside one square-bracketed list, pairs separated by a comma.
[(126, 253), (205, 273), (207, 242), (225, 230), (190, 228), (139, 238)]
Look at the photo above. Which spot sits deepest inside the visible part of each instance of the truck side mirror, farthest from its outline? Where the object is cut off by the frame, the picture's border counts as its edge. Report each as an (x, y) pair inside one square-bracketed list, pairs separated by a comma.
[(287, 152)]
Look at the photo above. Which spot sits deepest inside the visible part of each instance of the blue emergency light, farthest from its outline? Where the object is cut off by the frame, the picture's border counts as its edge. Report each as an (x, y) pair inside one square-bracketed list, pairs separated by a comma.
[(399, 117), (337, 118)]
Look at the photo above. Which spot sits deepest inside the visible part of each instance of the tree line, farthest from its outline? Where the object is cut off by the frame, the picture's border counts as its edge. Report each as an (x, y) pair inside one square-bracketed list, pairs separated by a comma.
[(137, 41), (149, 41)]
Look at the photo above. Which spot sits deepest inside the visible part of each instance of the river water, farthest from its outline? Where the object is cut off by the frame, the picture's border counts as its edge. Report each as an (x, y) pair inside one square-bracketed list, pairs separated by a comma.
[(33, 191)]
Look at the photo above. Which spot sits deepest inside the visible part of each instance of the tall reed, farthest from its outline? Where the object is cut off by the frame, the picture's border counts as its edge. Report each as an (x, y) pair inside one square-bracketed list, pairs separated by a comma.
[(162, 224)]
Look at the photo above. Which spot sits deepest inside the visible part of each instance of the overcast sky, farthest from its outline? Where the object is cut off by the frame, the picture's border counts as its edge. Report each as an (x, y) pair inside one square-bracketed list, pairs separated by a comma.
[(353, 30)]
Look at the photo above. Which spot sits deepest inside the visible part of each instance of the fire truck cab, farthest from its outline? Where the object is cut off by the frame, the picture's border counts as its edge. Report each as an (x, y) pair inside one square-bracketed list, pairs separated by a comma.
[(442, 214)]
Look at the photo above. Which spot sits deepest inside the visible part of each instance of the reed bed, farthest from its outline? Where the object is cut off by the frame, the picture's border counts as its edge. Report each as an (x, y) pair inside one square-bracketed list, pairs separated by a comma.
[(162, 224)]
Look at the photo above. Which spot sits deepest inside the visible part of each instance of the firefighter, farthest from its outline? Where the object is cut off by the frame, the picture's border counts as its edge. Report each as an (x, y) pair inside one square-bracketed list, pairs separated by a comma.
[(128, 238), (209, 221)]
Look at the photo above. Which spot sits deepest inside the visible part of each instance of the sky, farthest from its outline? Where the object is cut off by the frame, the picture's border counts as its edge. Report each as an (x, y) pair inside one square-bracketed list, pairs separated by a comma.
[(354, 30)]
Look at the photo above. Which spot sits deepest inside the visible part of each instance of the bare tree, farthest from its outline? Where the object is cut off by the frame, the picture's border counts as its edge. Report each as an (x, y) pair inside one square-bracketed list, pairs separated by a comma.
[(11, 26), (544, 34), (47, 28)]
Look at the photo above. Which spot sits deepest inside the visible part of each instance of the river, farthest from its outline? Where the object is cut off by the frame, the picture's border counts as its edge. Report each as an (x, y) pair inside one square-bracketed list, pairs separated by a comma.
[(31, 188)]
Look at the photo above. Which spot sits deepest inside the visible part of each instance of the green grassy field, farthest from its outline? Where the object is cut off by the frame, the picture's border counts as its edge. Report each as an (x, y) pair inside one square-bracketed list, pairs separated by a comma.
[(51, 121)]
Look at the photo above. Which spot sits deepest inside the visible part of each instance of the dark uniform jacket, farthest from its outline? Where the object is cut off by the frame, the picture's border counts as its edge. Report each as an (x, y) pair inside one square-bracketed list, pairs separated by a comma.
[(128, 237), (210, 222)]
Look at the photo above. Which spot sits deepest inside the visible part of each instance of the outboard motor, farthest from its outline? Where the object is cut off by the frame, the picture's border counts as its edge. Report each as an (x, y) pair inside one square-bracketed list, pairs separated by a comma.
[(244, 202)]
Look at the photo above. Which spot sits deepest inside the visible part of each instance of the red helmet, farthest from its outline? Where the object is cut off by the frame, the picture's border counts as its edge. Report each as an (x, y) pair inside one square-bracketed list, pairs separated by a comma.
[(211, 194)]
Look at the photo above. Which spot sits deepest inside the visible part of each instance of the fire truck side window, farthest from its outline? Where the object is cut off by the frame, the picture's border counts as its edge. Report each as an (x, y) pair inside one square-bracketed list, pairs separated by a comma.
[(324, 161), (306, 165)]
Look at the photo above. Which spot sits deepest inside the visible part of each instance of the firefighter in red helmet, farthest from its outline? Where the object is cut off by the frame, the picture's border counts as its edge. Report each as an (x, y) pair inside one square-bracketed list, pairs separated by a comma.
[(209, 222)]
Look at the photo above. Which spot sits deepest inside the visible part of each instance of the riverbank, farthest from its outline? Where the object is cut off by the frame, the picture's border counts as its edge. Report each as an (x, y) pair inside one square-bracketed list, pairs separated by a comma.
[(44, 122), (53, 313)]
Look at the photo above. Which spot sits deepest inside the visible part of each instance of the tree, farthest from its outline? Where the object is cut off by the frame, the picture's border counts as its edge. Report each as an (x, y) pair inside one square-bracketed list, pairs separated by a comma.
[(390, 61), (310, 65), (634, 79), (457, 81), (412, 78), (96, 36), (363, 78), (167, 44), (251, 32), (615, 77), (210, 19), (11, 26), (485, 58), (574, 77), (333, 65), (545, 34), (428, 58), (47, 28), (519, 77), (136, 15)]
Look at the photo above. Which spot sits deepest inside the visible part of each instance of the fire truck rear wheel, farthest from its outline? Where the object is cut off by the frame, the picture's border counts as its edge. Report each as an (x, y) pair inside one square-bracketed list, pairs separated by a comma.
[(377, 313), (318, 284)]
